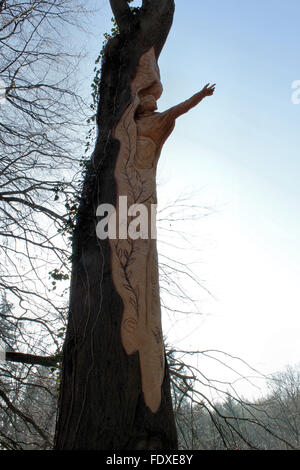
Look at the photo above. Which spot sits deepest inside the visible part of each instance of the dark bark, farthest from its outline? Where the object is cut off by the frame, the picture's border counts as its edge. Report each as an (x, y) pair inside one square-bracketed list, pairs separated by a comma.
[(101, 403)]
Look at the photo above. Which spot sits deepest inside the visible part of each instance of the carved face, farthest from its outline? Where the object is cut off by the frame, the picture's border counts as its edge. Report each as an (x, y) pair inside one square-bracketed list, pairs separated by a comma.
[(156, 90), (147, 104)]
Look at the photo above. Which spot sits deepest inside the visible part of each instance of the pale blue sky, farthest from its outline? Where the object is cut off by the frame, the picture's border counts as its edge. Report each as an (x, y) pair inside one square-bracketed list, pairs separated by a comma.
[(241, 148)]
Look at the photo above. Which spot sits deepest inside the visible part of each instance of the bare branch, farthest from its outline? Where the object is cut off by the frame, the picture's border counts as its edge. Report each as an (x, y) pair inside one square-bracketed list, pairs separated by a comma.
[(46, 361), (24, 416)]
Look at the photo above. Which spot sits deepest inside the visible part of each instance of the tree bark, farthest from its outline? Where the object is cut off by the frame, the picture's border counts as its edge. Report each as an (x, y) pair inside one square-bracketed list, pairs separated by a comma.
[(101, 403)]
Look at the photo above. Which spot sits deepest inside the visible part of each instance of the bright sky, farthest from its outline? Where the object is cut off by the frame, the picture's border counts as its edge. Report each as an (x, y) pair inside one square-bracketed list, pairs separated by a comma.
[(240, 150)]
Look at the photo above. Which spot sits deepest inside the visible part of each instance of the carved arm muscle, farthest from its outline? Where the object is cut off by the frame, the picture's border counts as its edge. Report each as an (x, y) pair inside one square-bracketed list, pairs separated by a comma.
[(176, 111)]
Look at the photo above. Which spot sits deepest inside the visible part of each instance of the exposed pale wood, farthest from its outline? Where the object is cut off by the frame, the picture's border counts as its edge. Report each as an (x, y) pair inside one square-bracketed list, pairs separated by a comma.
[(142, 132)]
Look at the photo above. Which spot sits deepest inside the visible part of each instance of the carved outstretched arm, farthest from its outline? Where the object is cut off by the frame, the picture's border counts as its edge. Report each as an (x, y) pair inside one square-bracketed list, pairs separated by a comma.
[(176, 111)]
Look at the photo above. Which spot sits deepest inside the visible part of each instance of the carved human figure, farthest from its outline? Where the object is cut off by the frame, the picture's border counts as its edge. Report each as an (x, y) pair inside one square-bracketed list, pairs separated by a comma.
[(142, 132)]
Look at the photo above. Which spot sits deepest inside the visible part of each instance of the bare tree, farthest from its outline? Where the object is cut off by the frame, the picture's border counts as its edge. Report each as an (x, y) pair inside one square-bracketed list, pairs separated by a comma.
[(42, 118), (211, 414)]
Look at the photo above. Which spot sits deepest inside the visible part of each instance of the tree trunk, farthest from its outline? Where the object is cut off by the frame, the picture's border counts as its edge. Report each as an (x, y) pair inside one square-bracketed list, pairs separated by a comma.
[(102, 403)]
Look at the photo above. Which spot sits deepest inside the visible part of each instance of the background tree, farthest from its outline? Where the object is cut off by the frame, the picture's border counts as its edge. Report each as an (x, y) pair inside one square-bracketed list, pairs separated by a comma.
[(40, 143), (211, 414)]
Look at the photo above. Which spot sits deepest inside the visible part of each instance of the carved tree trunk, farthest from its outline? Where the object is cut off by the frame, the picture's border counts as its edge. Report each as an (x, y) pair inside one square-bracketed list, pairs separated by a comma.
[(102, 401)]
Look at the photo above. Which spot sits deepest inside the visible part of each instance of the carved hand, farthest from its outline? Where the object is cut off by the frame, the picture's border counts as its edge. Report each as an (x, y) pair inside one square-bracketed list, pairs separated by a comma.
[(208, 90)]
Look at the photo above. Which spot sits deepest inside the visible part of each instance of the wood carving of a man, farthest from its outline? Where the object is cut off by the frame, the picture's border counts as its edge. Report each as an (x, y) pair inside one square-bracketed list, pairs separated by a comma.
[(142, 132)]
